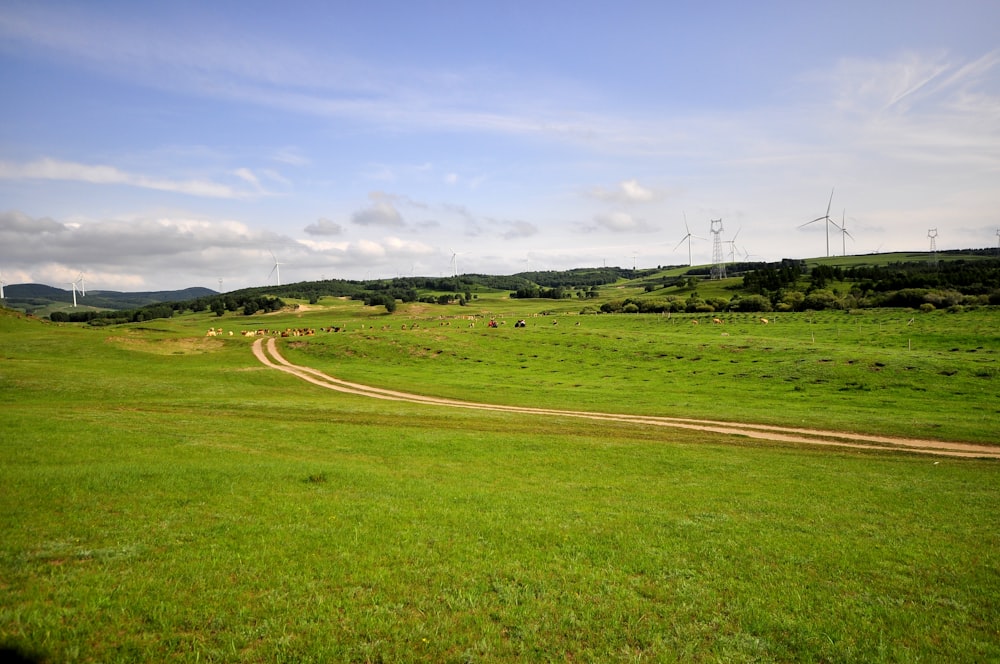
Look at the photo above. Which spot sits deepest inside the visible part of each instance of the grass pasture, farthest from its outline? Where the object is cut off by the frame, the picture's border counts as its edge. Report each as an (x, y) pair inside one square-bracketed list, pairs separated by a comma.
[(164, 497), (880, 371)]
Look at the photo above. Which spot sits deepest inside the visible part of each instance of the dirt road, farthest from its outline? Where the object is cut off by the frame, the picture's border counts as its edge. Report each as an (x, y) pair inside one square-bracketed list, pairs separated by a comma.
[(268, 354)]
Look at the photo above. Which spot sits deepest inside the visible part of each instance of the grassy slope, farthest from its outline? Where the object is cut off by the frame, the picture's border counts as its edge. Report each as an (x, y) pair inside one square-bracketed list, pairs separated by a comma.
[(163, 497)]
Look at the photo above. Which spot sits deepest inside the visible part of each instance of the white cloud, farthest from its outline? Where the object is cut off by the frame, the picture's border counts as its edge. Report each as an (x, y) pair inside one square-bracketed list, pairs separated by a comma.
[(324, 227), (369, 249), (16, 222), (291, 156), (247, 175), (54, 169), (381, 212), (633, 191), (518, 229), (399, 247), (627, 191), (275, 176), (136, 252), (621, 222)]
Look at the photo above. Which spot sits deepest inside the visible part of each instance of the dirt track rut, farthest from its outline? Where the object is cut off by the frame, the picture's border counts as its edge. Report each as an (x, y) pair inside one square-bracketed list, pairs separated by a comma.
[(268, 355)]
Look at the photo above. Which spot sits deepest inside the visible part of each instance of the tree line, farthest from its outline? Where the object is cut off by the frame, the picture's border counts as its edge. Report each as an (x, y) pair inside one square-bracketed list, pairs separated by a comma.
[(246, 304)]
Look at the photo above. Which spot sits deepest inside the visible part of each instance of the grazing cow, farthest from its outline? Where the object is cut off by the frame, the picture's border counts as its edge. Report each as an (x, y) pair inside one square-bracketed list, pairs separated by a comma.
[(717, 321), (764, 321), (694, 322)]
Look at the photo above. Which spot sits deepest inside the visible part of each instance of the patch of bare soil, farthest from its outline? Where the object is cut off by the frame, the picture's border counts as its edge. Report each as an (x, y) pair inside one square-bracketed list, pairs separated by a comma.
[(270, 357), (183, 346)]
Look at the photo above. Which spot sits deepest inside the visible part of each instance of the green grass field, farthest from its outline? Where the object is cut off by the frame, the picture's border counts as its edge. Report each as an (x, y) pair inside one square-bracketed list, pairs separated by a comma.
[(164, 497)]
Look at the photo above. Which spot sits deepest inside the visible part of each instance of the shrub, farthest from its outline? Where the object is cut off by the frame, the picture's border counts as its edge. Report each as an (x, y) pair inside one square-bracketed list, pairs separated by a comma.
[(821, 299), (752, 303)]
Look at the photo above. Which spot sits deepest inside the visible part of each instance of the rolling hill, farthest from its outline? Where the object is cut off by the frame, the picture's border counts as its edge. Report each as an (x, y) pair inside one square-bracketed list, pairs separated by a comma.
[(41, 299)]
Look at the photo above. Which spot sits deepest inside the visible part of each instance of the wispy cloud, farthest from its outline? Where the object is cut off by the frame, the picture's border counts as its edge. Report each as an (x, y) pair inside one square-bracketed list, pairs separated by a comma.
[(54, 169), (518, 229), (621, 222), (277, 75), (627, 191)]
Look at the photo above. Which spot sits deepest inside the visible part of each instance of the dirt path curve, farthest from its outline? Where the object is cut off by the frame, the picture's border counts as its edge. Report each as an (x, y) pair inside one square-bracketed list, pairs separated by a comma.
[(268, 355)]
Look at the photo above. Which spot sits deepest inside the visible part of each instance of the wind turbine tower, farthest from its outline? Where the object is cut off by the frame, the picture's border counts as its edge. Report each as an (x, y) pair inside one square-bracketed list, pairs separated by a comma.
[(732, 246), (998, 252), (72, 286), (843, 232), (276, 271), (454, 263), (4, 283), (718, 258), (689, 236), (826, 218)]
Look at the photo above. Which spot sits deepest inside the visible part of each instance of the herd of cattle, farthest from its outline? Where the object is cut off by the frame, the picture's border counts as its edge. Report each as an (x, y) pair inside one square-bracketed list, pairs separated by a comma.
[(264, 332), (309, 331)]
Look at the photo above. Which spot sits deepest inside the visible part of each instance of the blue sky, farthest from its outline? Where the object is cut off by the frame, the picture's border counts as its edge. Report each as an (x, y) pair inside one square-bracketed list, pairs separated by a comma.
[(173, 145)]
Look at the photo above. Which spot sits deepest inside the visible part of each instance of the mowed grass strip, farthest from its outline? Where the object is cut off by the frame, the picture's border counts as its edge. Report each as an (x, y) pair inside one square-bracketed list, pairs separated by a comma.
[(192, 505)]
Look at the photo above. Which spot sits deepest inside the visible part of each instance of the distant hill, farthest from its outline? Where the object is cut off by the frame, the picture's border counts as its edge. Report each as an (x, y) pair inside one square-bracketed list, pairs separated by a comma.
[(39, 298)]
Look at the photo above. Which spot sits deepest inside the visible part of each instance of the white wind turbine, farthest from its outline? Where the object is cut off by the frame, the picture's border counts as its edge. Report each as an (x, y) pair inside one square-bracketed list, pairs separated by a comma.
[(77, 284), (4, 283), (828, 220), (454, 262), (275, 270), (843, 232), (732, 246), (688, 238)]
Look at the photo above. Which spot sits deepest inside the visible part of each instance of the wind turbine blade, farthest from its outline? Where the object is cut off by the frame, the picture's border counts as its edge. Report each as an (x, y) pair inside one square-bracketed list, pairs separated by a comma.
[(686, 229), (682, 241), (830, 203), (812, 222)]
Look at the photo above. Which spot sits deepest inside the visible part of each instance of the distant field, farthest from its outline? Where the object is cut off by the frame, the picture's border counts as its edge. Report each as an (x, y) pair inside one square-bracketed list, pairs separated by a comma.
[(167, 498)]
